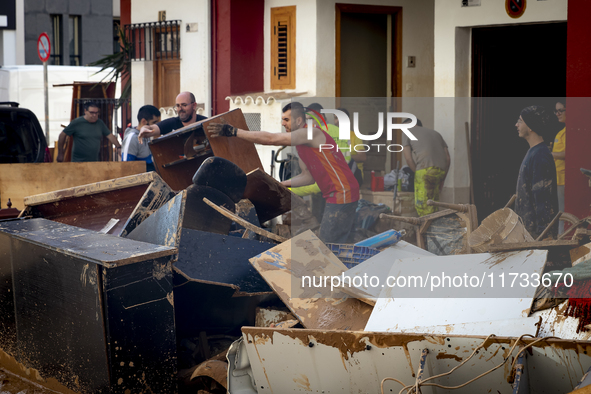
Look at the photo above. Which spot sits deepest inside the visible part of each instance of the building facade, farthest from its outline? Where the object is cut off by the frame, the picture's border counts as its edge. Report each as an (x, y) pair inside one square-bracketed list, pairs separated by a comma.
[(465, 56)]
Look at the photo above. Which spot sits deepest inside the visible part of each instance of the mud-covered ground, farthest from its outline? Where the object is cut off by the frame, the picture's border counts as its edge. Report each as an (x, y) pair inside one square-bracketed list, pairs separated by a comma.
[(12, 384)]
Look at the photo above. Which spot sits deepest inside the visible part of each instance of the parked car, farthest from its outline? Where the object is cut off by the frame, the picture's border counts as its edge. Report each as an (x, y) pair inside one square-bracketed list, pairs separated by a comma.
[(21, 137)]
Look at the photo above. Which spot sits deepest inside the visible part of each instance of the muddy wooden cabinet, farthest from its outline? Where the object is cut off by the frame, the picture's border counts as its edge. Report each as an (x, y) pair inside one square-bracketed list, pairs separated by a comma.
[(90, 312), (178, 155)]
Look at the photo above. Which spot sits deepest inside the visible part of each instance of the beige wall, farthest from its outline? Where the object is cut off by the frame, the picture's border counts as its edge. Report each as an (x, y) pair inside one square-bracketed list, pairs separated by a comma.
[(315, 44), (195, 50)]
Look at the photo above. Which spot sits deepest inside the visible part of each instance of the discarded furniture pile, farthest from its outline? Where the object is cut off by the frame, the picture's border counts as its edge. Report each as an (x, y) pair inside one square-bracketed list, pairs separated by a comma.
[(169, 283)]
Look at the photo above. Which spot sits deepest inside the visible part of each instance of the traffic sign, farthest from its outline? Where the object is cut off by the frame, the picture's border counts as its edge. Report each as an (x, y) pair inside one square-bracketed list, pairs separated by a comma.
[(515, 8), (43, 47)]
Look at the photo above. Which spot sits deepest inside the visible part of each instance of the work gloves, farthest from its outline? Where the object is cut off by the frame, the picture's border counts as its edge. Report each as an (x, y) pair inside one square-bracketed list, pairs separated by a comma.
[(222, 129)]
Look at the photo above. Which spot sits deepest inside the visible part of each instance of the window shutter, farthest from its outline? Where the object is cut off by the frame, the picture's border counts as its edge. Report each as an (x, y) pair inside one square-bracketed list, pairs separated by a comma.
[(283, 47)]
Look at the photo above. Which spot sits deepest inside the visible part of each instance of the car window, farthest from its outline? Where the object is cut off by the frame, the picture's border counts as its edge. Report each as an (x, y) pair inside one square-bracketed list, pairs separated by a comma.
[(19, 141)]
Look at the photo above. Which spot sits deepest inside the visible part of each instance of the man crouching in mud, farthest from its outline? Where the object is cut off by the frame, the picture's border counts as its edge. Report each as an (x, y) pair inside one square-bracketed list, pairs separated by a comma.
[(327, 167)]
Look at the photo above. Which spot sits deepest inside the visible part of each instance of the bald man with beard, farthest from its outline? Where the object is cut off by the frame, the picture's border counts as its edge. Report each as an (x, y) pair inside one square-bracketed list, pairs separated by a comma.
[(186, 108)]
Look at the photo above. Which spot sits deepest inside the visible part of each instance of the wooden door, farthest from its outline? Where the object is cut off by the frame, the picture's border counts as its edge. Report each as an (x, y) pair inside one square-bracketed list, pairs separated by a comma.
[(167, 82)]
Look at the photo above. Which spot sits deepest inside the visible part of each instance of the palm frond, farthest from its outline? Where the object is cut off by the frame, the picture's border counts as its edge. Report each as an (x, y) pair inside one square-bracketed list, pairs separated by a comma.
[(118, 64)]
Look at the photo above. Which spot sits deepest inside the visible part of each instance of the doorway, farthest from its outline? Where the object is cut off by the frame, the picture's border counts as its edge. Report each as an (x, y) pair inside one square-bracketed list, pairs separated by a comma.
[(368, 51), (167, 82), (512, 67), (368, 64)]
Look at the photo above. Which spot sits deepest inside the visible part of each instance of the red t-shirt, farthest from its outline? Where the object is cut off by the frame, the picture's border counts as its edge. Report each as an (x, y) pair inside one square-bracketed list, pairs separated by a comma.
[(331, 172)]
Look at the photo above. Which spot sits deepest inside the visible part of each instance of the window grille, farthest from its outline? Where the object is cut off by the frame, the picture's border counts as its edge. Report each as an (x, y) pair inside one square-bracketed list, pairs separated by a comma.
[(154, 40), (253, 121), (283, 47)]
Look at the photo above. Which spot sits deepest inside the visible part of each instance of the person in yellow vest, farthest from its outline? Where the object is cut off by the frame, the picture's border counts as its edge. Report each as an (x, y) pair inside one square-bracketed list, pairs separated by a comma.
[(428, 156), (559, 154)]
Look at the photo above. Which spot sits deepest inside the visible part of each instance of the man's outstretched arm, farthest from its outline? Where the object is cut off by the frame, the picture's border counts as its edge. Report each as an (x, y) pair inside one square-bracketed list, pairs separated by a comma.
[(295, 138), (257, 137), (148, 131)]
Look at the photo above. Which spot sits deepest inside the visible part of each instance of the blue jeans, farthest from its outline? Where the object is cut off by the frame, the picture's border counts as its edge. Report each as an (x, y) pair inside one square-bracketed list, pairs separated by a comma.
[(560, 189)]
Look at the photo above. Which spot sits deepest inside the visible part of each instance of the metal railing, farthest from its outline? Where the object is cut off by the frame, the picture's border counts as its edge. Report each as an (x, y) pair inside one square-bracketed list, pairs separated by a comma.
[(154, 40)]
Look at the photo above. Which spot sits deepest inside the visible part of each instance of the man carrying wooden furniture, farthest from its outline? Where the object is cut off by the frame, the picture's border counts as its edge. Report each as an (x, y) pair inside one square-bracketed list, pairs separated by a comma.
[(186, 108), (325, 166)]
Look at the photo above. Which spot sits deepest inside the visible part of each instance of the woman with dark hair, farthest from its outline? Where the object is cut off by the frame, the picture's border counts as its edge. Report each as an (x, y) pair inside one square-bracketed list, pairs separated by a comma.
[(558, 152)]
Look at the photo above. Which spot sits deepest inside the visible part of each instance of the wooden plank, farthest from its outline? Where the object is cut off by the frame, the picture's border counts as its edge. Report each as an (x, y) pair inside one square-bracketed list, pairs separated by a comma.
[(269, 196), (305, 255), (90, 188), (531, 245), (18, 181), (549, 226), (244, 223), (93, 211), (240, 152), (129, 200)]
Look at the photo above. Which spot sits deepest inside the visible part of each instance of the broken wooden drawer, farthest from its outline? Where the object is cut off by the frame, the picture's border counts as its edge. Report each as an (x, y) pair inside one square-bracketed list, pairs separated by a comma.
[(178, 155), (87, 311), (113, 207)]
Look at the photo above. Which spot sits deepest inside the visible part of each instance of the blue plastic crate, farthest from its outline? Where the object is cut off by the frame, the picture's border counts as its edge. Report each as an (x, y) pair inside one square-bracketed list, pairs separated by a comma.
[(352, 255)]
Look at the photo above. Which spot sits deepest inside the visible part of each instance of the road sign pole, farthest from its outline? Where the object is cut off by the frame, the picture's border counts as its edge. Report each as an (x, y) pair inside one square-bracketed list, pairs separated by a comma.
[(45, 93), (44, 51)]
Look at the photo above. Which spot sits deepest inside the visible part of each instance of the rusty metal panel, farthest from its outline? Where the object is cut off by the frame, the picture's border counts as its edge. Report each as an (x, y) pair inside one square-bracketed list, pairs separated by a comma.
[(282, 361)]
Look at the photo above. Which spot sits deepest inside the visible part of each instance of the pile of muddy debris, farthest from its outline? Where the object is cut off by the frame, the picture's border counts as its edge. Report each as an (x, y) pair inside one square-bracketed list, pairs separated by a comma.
[(207, 277)]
